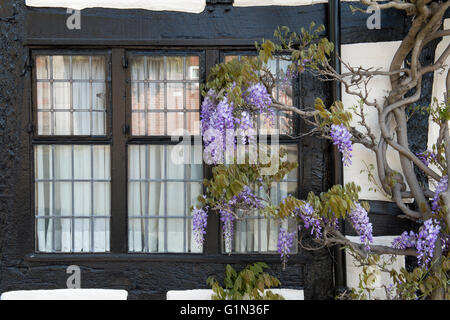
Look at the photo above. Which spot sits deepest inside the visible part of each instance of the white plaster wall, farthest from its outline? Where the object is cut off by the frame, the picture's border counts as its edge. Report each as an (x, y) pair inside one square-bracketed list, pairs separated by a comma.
[(205, 294), (439, 86), (193, 6), (66, 294), (381, 278), (377, 55)]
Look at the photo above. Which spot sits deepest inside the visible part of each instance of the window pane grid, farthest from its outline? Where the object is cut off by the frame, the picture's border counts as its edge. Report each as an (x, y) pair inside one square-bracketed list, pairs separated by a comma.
[(69, 108), (158, 223), (283, 120), (160, 106), (254, 233), (71, 215)]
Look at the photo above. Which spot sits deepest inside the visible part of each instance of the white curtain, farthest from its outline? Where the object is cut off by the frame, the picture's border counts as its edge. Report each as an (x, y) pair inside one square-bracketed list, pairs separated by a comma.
[(152, 173), (69, 199)]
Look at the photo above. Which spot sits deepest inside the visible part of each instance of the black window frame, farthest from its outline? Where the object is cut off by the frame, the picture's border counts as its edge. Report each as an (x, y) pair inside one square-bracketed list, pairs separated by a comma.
[(118, 126)]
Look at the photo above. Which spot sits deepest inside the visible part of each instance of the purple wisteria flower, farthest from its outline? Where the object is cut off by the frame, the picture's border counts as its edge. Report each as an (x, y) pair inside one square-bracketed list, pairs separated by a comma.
[(426, 157), (405, 240), (441, 187), (247, 197), (360, 221), (306, 213), (426, 241), (342, 139), (227, 218), (199, 223), (285, 243)]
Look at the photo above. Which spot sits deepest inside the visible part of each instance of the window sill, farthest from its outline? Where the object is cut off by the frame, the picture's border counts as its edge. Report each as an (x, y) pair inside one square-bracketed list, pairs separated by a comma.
[(163, 257)]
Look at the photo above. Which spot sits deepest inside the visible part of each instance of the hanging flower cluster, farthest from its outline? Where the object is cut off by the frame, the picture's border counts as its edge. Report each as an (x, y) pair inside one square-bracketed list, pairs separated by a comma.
[(306, 213), (244, 198), (424, 241), (342, 139), (199, 223), (221, 120), (360, 221), (441, 187), (405, 241), (285, 243)]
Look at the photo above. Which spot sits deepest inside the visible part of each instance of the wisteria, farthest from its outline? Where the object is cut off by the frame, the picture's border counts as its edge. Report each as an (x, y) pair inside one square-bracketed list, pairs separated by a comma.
[(306, 213), (285, 243), (426, 241), (360, 221), (199, 223), (441, 187), (248, 198), (227, 218), (342, 139), (220, 121), (405, 240), (426, 157)]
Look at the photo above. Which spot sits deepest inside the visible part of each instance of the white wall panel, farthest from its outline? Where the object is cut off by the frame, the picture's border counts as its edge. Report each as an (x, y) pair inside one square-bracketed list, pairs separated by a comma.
[(193, 6), (377, 55)]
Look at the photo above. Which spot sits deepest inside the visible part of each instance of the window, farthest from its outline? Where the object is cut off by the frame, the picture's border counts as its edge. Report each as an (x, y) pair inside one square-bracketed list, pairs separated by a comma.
[(104, 188), (71, 174), (164, 180), (253, 232)]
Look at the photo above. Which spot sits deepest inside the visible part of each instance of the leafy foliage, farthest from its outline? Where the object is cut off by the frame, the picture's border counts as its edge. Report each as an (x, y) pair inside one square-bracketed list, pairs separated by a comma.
[(249, 284)]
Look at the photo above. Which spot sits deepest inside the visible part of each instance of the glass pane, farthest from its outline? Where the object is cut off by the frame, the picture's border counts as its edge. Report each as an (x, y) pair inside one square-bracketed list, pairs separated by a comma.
[(98, 96), (82, 199), (138, 96), (176, 208), (192, 68), (43, 162), (155, 124), (43, 95), (98, 68), (82, 162), (175, 68), (156, 162), (62, 235), (136, 162), (175, 98), (63, 198), (193, 190), (81, 123), (82, 235), (62, 123), (80, 65), (155, 68), (156, 199), (81, 95), (43, 67), (193, 96), (175, 122), (44, 199), (61, 95), (138, 123), (193, 123), (98, 123), (175, 235), (155, 97), (101, 235), (102, 199), (102, 163), (137, 68), (63, 162), (45, 123), (61, 67), (136, 199), (177, 156)]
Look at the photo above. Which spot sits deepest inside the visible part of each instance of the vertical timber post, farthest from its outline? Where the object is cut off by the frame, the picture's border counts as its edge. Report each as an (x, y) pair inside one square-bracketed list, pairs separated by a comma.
[(334, 34)]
